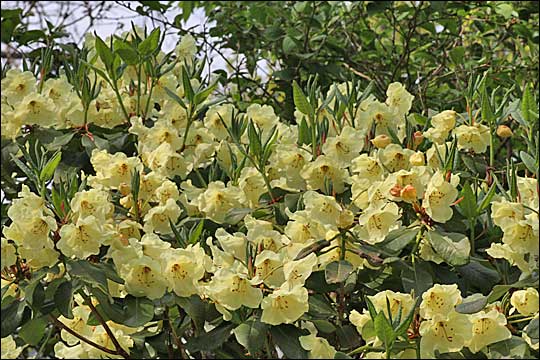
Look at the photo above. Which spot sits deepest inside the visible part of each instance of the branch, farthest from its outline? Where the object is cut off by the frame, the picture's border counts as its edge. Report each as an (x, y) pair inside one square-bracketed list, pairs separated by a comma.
[(119, 350), (63, 326)]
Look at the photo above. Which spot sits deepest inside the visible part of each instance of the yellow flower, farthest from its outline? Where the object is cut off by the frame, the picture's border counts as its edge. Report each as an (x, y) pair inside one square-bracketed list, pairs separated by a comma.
[(445, 334), (324, 169), (216, 116), (394, 158), (399, 99), (323, 209), (9, 347), (439, 301), (268, 269), (232, 290), (367, 167), (525, 301), (439, 196), (344, 147), (8, 253), (487, 328), (167, 162), (318, 347), (112, 170), (82, 239), (184, 268), (252, 184), (296, 272), (504, 251), (522, 236), (442, 124), (377, 221), (396, 300), (157, 219), (474, 137), (77, 324), (17, 85), (232, 244), (285, 305), (381, 141), (145, 278), (505, 213), (217, 200), (286, 163), (263, 116), (93, 202)]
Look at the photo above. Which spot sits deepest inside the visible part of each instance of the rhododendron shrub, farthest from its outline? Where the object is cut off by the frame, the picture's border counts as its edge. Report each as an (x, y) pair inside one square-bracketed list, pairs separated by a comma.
[(147, 217)]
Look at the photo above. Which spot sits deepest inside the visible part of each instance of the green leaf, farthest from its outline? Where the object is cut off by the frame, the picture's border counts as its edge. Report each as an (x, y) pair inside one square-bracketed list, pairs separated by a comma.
[(499, 290), (513, 348), (532, 330), (529, 161), (151, 43), (300, 100), (286, 337), (454, 248), (60, 141), (211, 340), (487, 112), (126, 52), (397, 240), (468, 205), (186, 83), (88, 273), (236, 215), (418, 279), (196, 234), (137, 311), (203, 94), (288, 44), (251, 335), (384, 330), (175, 97), (486, 201), (63, 298), (320, 308), (48, 170), (12, 315), (33, 331), (255, 145), (401, 330), (337, 271), (527, 103), (472, 304), (456, 54), (105, 53), (196, 309), (27, 171)]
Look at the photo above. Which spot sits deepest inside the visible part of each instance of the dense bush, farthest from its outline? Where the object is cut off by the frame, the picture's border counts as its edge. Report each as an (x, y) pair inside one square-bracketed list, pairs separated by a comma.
[(150, 211)]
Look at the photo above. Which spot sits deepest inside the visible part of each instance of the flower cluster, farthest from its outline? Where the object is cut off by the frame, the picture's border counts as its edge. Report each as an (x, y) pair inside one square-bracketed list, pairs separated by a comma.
[(365, 177)]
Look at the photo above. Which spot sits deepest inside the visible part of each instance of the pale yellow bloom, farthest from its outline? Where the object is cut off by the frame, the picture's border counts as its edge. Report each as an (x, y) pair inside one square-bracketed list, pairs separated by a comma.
[(525, 301), (439, 301), (487, 328), (285, 305)]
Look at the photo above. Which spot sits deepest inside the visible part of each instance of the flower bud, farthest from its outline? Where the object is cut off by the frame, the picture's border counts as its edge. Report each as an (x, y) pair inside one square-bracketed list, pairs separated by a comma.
[(417, 159), (345, 219), (418, 137), (396, 190), (124, 189), (381, 141), (408, 193), (504, 131)]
